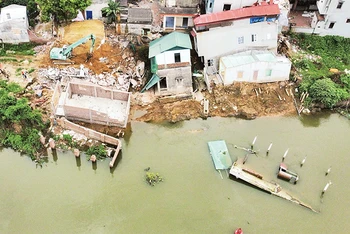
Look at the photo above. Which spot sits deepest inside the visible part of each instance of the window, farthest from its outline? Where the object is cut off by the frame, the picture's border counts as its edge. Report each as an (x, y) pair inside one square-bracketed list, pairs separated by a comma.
[(227, 7), (268, 72), (163, 84), (340, 4), (185, 22), (240, 40), (240, 74), (210, 5), (347, 21), (8, 16), (331, 25), (169, 22), (253, 37), (177, 57), (210, 63)]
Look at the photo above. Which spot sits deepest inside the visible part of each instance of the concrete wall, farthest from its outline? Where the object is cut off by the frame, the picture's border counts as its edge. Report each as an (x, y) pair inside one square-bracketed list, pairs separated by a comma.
[(96, 9), (92, 116), (221, 41), (137, 29), (218, 5), (174, 85), (168, 57), (14, 12), (14, 31), (279, 72)]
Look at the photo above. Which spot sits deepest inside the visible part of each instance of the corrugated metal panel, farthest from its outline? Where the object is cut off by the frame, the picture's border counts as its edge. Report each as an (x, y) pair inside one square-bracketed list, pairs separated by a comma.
[(262, 10), (220, 155), (234, 60), (174, 39)]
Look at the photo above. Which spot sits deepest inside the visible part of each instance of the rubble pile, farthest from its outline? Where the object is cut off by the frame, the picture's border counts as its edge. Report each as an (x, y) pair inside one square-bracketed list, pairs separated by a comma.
[(120, 77)]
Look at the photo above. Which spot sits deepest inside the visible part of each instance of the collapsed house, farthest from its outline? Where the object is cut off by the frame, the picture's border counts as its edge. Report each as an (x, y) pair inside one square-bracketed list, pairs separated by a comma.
[(14, 24), (171, 65), (92, 103)]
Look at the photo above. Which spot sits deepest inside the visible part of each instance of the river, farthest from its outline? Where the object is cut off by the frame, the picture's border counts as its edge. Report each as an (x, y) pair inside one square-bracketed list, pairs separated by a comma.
[(67, 196)]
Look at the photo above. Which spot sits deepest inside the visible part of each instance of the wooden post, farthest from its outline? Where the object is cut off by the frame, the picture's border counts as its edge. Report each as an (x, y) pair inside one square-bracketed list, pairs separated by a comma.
[(268, 149), (285, 155), (252, 146)]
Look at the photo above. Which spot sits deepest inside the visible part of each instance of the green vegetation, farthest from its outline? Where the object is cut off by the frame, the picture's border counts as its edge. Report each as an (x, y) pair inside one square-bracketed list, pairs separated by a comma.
[(321, 55), (98, 150), (61, 10), (111, 11), (153, 178), (19, 49), (19, 124)]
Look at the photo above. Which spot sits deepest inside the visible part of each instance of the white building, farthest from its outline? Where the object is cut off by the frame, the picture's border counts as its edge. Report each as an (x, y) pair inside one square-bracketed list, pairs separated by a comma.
[(171, 65), (14, 24), (213, 6), (332, 17), (224, 33), (254, 66)]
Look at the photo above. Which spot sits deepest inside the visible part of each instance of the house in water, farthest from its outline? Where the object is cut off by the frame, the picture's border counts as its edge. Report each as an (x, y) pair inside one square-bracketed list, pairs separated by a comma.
[(228, 32), (14, 24), (178, 14), (321, 17), (171, 65), (254, 66)]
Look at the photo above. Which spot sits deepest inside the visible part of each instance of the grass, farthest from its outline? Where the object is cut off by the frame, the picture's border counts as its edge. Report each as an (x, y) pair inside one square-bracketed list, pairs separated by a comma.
[(19, 49)]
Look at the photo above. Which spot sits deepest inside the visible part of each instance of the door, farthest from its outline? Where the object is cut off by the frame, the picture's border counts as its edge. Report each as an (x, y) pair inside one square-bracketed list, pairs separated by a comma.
[(255, 75), (88, 15)]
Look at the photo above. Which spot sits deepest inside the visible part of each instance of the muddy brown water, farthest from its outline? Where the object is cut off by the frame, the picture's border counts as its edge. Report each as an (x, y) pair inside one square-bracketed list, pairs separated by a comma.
[(68, 196)]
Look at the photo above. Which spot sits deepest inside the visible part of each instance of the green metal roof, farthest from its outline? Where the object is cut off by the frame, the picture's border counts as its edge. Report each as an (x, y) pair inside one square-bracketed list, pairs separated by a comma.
[(154, 80), (168, 42), (220, 155)]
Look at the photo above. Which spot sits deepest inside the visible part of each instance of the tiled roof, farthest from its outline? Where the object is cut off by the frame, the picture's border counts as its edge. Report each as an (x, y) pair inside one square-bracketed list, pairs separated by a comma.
[(262, 10)]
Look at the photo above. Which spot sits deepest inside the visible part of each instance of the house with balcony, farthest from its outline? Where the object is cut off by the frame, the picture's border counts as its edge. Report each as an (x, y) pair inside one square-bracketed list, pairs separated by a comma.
[(178, 14), (322, 17), (171, 65), (213, 6), (224, 33)]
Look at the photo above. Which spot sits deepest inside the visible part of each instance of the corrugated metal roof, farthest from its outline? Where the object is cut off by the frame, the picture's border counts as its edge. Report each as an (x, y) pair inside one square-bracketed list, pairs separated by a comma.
[(247, 57), (169, 41), (220, 155), (262, 10)]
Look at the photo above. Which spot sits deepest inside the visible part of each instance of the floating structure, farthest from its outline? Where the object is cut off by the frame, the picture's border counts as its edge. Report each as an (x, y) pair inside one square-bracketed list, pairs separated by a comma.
[(286, 174), (257, 180), (220, 155)]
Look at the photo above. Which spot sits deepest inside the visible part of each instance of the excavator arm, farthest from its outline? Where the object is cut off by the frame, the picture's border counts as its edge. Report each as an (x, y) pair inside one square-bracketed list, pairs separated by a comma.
[(65, 52)]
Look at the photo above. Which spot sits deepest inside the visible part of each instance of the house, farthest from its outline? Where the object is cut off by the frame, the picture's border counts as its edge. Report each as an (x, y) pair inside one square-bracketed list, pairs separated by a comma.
[(213, 6), (224, 33), (139, 21), (14, 24), (171, 65), (178, 14), (254, 66), (322, 17)]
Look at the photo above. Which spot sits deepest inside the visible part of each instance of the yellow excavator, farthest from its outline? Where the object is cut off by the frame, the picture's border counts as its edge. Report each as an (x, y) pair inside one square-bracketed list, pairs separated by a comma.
[(65, 52)]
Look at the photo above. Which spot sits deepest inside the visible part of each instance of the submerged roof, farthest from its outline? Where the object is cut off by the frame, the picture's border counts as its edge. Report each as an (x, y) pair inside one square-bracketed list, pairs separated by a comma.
[(220, 155), (168, 42), (247, 57), (262, 10)]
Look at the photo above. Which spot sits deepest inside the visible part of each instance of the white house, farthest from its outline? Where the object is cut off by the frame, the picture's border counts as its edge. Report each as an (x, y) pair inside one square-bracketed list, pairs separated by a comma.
[(254, 66), (14, 24), (94, 11), (177, 18), (213, 6), (171, 65), (224, 33), (332, 17)]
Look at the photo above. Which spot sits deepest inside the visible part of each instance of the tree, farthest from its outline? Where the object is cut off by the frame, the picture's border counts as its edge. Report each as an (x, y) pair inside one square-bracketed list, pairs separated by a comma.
[(112, 12), (61, 10), (326, 92)]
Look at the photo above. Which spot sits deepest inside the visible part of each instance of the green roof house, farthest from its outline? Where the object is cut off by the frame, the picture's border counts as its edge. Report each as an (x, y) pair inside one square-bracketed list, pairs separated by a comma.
[(170, 58)]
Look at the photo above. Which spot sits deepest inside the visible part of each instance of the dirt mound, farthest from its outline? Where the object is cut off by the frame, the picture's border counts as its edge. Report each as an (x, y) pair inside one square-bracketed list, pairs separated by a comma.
[(104, 57)]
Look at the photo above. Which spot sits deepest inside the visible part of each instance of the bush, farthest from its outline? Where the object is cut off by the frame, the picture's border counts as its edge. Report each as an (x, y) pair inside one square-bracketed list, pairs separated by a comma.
[(325, 91), (98, 150)]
